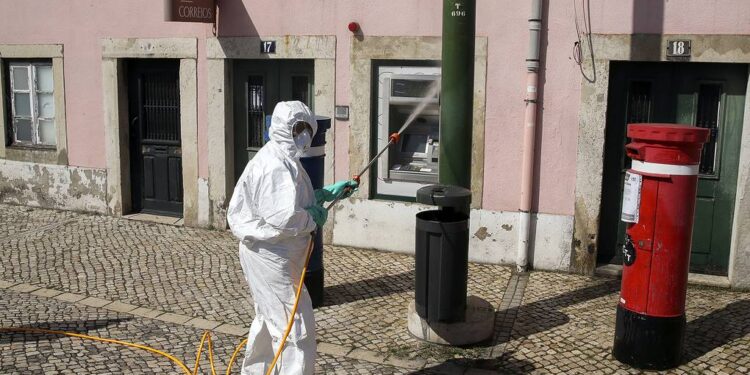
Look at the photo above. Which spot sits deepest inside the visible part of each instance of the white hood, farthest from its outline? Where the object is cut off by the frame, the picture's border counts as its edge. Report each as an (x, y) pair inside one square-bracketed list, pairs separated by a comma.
[(285, 115)]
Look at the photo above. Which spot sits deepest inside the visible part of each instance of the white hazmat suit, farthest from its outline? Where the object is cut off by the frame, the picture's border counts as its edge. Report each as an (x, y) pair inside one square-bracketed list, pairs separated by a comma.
[(267, 213)]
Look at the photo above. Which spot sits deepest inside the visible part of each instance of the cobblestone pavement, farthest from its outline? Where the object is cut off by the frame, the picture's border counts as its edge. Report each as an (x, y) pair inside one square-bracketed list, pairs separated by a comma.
[(162, 285), (24, 353)]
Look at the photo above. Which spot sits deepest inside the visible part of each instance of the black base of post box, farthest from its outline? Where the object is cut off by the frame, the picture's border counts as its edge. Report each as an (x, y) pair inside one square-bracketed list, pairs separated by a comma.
[(648, 342), (315, 286)]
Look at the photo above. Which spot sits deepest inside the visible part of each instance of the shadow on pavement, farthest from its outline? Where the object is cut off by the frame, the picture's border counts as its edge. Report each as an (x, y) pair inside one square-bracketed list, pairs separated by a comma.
[(544, 315), (718, 328), (369, 288), (75, 326), (536, 317), (505, 364)]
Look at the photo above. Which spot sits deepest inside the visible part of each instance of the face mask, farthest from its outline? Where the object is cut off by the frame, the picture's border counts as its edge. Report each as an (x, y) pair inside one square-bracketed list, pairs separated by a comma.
[(303, 141)]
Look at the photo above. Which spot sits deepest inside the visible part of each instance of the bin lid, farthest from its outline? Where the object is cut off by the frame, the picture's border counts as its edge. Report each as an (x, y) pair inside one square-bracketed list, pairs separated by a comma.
[(444, 196), (667, 133), (324, 123)]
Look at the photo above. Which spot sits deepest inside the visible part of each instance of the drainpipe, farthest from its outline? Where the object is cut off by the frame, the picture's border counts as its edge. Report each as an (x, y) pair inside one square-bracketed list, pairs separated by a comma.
[(527, 166), (457, 93)]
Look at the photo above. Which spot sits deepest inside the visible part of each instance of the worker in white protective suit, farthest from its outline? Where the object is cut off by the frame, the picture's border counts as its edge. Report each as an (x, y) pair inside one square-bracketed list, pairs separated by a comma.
[(272, 212)]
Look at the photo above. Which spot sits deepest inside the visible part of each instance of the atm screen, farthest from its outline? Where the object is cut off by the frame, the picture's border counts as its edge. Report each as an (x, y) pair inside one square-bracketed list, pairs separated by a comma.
[(414, 143), (411, 88)]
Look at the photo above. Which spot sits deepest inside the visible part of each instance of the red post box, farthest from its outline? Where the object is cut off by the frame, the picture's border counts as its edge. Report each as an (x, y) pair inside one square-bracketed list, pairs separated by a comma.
[(658, 205)]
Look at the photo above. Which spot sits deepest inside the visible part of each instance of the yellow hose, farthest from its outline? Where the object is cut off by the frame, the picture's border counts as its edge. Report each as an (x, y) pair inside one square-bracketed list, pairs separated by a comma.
[(205, 339), (180, 364), (294, 308)]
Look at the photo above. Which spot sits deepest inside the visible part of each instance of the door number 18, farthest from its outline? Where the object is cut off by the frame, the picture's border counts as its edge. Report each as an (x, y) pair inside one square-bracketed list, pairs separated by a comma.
[(678, 48)]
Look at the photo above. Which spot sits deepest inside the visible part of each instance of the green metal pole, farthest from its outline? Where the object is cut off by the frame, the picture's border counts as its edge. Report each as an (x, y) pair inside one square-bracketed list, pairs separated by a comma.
[(457, 92)]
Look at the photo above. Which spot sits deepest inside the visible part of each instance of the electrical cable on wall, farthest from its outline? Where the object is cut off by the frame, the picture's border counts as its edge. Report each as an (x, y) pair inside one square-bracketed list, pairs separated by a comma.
[(577, 46)]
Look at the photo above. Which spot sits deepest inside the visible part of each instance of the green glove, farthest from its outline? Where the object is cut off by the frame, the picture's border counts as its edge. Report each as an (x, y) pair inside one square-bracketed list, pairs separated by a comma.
[(319, 214), (322, 196), (342, 189)]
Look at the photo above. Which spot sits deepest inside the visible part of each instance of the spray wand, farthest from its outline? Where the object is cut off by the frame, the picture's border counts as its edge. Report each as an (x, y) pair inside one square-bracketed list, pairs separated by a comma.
[(392, 139)]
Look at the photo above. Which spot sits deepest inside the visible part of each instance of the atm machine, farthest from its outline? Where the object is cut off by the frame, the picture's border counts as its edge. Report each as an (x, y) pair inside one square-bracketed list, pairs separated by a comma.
[(413, 162)]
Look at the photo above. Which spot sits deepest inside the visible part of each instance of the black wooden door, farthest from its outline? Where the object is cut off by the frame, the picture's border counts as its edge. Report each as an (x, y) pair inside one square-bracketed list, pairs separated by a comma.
[(156, 155), (258, 86)]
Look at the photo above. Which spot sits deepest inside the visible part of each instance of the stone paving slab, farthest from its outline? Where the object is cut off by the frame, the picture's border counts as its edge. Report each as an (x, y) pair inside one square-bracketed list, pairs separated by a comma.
[(4, 284), (146, 312), (231, 329), (69, 297), (24, 288), (94, 302), (44, 292), (120, 307), (173, 318), (333, 349), (203, 323)]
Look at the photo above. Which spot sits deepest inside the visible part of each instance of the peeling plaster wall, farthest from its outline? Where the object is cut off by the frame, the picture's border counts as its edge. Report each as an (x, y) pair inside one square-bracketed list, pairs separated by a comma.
[(52, 186), (389, 226)]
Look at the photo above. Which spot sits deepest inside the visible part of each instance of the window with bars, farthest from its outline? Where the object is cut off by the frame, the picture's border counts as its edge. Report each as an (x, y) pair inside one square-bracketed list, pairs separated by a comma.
[(32, 103), (639, 102), (255, 111), (708, 116), (161, 109)]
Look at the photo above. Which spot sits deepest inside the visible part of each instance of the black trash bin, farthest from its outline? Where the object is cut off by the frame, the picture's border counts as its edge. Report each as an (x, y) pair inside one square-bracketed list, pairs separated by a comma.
[(442, 254)]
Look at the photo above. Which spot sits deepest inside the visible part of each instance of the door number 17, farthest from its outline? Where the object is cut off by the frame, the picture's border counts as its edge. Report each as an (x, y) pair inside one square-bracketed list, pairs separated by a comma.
[(268, 46)]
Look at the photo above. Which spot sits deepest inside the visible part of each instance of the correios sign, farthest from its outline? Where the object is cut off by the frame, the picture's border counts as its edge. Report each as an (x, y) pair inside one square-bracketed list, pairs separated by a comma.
[(190, 10)]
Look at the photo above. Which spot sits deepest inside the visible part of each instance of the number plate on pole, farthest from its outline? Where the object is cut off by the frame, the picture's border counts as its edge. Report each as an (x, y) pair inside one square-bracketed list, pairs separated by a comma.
[(678, 48)]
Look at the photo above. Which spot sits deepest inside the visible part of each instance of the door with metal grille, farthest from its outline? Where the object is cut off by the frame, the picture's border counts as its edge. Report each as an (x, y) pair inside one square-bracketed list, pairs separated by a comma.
[(704, 95), (637, 93), (258, 86), (156, 153)]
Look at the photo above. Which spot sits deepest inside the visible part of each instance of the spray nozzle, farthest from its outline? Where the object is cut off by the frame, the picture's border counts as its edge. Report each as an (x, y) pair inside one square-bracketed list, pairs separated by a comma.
[(394, 138)]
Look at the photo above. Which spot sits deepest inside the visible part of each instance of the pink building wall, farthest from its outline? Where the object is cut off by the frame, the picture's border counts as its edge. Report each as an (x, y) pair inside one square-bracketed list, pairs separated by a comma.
[(81, 24)]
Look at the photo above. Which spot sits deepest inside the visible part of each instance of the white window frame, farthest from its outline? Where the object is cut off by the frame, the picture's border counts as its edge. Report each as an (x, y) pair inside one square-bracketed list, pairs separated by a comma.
[(33, 91)]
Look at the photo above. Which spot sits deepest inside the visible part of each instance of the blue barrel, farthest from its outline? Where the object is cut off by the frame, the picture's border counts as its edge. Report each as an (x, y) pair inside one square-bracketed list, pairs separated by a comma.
[(267, 131), (314, 163)]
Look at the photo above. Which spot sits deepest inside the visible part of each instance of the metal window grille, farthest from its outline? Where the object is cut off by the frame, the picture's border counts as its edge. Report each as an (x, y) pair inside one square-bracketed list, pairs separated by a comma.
[(639, 102), (708, 116), (161, 109), (255, 111), (32, 108)]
